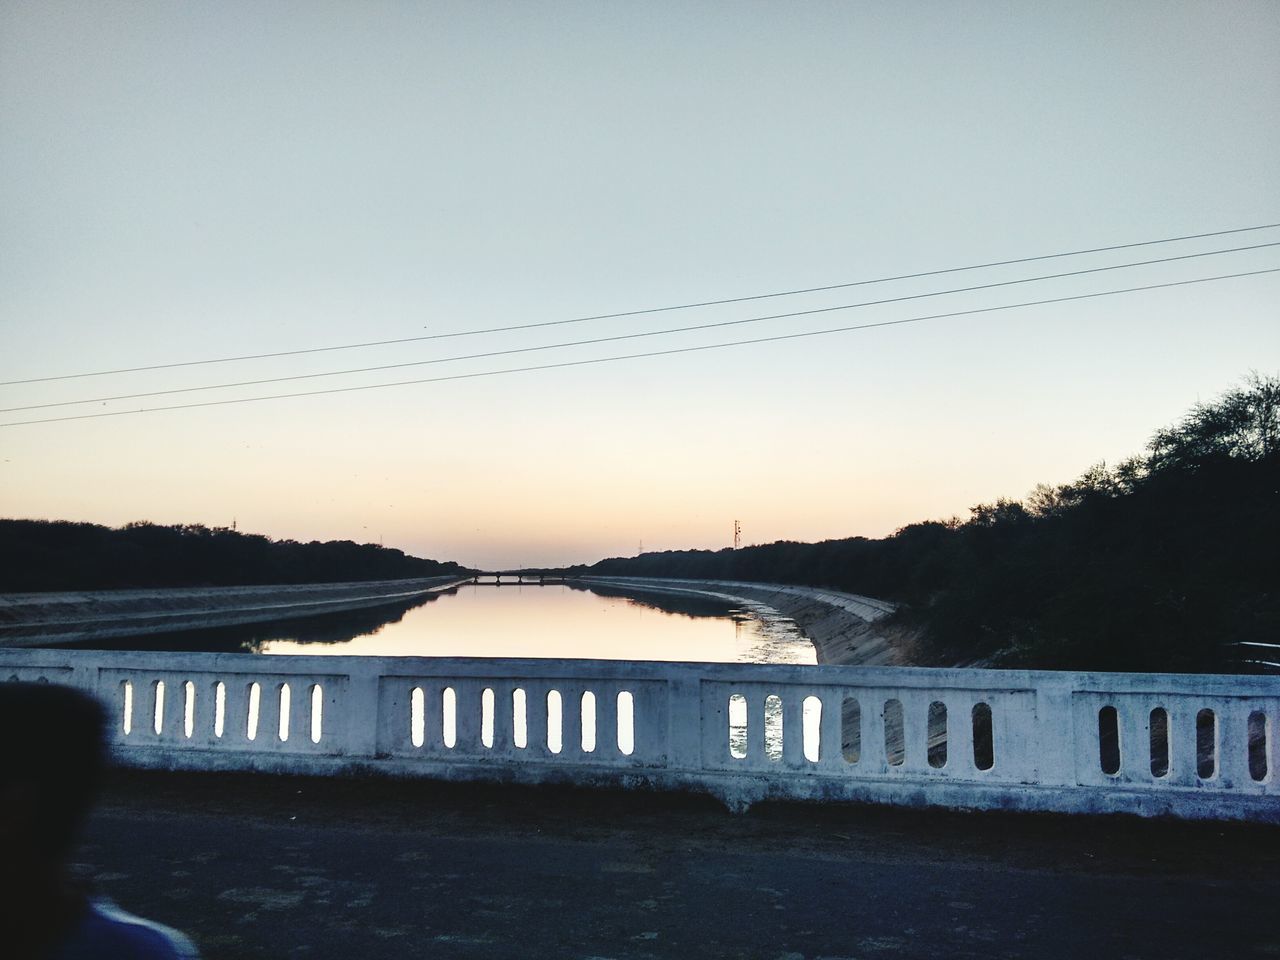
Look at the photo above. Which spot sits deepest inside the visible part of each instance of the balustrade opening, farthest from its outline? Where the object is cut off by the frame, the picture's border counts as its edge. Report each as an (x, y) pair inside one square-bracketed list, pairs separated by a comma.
[(811, 713), (157, 714), (737, 726), (317, 712), (937, 753), (555, 721), (286, 702), (486, 718), (219, 708), (519, 719), (188, 709), (1109, 741), (251, 721), (126, 710), (449, 717), (895, 742), (1206, 745), (626, 723), (773, 732), (1159, 742), (1259, 746), (851, 730), (984, 748)]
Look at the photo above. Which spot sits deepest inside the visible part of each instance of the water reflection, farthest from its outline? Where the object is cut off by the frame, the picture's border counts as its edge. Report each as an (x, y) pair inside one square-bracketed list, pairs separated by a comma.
[(560, 621), (679, 604), (765, 636), (564, 621), (556, 620), (328, 628)]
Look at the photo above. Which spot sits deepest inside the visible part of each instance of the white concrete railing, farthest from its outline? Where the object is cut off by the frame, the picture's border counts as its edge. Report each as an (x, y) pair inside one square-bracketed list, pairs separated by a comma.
[(1148, 744)]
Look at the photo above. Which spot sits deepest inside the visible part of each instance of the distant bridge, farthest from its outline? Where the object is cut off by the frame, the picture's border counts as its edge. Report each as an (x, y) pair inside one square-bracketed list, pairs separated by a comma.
[(495, 577)]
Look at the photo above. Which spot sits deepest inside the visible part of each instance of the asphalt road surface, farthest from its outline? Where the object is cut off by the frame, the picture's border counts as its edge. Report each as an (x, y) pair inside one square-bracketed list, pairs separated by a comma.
[(313, 868)]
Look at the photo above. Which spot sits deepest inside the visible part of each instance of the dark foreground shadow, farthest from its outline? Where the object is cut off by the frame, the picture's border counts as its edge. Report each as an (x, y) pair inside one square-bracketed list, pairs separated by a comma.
[(337, 868)]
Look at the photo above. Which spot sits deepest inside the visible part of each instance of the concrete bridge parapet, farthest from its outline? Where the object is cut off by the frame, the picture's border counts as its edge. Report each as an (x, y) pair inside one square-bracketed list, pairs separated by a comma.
[(1191, 746)]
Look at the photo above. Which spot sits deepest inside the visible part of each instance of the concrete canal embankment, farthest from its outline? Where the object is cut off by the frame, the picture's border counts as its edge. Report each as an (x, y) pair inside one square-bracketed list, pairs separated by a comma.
[(42, 619), (846, 629)]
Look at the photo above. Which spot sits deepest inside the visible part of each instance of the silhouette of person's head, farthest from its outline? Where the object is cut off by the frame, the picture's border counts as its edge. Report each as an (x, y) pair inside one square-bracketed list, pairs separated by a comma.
[(52, 755), (53, 752)]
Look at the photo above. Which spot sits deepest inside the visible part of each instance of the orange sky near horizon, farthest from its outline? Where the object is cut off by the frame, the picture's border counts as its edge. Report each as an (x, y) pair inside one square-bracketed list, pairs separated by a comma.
[(204, 180)]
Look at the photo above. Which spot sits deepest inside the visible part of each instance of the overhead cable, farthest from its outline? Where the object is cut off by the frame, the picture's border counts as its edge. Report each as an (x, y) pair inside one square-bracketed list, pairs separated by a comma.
[(627, 336), (638, 356), (641, 312)]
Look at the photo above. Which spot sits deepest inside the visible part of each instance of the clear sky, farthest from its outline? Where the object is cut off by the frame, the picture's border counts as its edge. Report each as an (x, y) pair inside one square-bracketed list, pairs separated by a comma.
[(182, 181)]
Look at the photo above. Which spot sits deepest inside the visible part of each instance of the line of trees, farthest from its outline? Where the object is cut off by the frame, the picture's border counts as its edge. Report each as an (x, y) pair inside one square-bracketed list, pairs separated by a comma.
[(1162, 562), (42, 555)]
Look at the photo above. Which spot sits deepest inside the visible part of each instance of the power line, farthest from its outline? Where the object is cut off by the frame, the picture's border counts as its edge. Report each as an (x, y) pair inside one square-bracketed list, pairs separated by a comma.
[(629, 336), (654, 353), (637, 313)]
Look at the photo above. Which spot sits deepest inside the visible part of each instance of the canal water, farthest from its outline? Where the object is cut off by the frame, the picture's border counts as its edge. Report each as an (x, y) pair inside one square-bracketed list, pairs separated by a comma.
[(552, 621), (559, 621)]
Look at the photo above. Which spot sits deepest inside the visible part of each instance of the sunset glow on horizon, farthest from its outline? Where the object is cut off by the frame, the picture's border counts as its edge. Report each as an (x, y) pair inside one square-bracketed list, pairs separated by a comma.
[(198, 181)]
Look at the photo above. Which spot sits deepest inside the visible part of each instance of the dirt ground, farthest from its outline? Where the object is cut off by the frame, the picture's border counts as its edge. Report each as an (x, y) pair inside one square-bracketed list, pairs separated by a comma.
[(256, 866)]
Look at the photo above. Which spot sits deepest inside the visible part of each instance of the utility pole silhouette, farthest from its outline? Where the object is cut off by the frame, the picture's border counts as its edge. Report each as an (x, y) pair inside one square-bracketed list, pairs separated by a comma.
[(737, 535)]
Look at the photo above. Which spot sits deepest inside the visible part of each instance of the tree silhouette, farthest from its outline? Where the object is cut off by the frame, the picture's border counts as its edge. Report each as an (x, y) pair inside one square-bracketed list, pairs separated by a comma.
[(1164, 562)]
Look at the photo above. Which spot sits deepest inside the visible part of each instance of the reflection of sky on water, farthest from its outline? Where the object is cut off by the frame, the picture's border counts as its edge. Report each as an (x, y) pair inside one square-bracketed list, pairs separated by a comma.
[(558, 621), (251, 637), (514, 621)]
